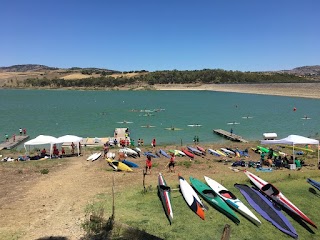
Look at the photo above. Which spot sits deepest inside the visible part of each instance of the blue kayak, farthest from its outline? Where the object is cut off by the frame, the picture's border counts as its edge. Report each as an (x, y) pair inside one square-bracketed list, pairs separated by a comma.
[(130, 164), (314, 183), (163, 153), (150, 154), (195, 151)]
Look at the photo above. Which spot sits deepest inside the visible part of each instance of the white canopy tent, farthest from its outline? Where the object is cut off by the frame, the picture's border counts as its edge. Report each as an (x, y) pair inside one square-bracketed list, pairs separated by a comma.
[(42, 140), (71, 139), (294, 140)]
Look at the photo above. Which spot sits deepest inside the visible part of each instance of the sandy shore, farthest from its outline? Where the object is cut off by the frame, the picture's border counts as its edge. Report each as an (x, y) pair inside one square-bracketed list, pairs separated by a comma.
[(305, 90)]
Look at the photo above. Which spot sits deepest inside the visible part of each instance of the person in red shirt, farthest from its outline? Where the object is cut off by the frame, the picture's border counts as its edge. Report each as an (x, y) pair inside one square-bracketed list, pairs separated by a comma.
[(172, 163), (153, 142), (148, 164)]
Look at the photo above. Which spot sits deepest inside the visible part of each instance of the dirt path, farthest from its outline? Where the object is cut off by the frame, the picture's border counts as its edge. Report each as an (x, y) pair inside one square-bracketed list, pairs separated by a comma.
[(54, 204)]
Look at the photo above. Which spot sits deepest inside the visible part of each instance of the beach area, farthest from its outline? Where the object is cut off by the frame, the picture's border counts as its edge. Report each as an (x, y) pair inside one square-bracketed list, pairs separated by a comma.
[(305, 90)]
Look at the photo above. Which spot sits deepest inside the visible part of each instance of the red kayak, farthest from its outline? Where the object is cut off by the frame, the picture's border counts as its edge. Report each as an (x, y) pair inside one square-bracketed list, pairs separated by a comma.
[(189, 154), (201, 149)]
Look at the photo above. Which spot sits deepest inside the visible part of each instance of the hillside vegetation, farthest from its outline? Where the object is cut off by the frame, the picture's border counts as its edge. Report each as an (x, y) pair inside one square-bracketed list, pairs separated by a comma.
[(30, 76)]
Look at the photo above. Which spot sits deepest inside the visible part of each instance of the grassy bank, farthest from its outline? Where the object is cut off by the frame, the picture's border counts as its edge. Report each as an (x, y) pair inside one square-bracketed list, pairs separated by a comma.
[(144, 210)]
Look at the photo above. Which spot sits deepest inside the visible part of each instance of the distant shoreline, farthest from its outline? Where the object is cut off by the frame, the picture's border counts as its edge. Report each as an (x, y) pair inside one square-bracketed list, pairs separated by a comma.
[(301, 90), (304, 90)]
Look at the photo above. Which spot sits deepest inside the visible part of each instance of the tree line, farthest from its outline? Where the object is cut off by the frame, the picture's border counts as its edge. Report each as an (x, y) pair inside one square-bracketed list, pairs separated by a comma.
[(205, 76)]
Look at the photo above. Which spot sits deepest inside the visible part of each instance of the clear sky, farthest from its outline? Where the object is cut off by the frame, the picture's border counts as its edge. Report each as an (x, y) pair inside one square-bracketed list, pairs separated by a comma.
[(245, 35)]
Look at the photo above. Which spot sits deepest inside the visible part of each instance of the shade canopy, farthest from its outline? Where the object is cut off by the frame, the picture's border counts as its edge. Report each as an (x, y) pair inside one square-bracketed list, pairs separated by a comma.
[(42, 140), (294, 140), (71, 139)]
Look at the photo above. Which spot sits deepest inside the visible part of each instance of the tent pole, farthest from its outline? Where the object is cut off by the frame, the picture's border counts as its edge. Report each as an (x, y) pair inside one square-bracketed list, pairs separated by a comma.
[(318, 155)]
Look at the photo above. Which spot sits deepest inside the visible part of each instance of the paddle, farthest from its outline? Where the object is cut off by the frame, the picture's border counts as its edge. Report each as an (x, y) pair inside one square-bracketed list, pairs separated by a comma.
[(312, 190)]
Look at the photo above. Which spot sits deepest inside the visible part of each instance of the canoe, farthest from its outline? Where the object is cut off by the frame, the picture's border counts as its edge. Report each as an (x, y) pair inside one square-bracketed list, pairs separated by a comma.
[(297, 148), (164, 194), (213, 199), (163, 153), (191, 197), (214, 152), (189, 154), (94, 156), (314, 183), (118, 166), (201, 149), (195, 151), (221, 153), (267, 209), (232, 200), (130, 164), (272, 192), (150, 154), (227, 151)]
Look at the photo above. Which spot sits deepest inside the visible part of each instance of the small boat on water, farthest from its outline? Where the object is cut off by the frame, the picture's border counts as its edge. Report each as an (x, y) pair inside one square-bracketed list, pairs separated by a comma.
[(272, 192), (164, 194)]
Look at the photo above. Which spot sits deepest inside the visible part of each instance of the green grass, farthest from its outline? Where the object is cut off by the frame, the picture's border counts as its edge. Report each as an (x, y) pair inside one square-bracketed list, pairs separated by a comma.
[(144, 210)]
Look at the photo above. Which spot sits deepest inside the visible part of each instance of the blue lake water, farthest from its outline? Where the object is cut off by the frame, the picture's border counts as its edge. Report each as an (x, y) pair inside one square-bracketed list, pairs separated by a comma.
[(97, 113)]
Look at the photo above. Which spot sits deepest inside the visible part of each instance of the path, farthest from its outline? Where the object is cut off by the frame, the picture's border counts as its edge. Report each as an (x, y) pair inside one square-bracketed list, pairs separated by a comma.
[(54, 205)]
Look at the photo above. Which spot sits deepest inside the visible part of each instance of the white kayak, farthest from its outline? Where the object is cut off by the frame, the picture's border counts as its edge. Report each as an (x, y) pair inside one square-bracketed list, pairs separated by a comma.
[(214, 152), (128, 151), (272, 192), (227, 151), (232, 200), (191, 197), (94, 156)]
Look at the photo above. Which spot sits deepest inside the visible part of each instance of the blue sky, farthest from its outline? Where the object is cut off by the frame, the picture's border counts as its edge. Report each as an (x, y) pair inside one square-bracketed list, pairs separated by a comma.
[(245, 35)]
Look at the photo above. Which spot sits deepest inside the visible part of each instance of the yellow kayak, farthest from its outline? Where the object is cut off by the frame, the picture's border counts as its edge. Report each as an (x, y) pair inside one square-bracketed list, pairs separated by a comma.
[(118, 166), (298, 148)]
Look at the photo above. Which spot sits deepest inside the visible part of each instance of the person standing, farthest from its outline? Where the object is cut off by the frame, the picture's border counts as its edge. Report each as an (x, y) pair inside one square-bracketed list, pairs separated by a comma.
[(14, 137), (148, 164), (20, 131), (231, 131), (172, 163), (72, 148), (105, 149), (24, 131), (153, 143), (7, 137)]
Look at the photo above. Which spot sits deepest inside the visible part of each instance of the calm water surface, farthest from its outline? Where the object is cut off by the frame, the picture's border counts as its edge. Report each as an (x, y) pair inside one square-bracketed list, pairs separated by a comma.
[(97, 113)]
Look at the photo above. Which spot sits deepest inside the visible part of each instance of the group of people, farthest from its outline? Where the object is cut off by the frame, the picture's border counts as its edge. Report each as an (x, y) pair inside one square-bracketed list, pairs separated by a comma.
[(278, 160), (170, 165), (21, 132)]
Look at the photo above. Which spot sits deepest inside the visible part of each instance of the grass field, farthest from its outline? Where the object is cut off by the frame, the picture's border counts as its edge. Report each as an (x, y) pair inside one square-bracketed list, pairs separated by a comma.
[(144, 210)]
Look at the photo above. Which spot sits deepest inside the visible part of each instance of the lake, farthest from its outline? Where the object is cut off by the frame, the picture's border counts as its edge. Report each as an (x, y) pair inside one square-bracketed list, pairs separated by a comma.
[(98, 113)]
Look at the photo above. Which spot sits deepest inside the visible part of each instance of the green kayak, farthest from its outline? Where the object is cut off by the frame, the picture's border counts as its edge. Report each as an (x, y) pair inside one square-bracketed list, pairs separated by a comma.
[(213, 199), (266, 150)]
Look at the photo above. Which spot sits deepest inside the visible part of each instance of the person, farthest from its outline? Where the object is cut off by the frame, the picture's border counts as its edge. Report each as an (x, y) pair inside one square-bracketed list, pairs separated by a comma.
[(63, 152), (79, 148), (56, 152), (148, 164), (139, 142), (7, 137), (270, 155), (105, 149), (14, 137), (132, 143), (142, 142), (72, 148), (43, 152), (172, 163), (24, 131), (231, 131), (262, 158), (153, 143), (115, 133), (115, 142), (197, 139), (20, 131)]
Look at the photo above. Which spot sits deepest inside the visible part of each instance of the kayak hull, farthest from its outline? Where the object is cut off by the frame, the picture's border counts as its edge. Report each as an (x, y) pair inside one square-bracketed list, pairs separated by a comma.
[(272, 192), (164, 194)]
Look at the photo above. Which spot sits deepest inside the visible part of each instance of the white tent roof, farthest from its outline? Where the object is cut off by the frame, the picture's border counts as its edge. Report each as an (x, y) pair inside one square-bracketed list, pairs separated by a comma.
[(42, 139), (69, 138), (292, 140)]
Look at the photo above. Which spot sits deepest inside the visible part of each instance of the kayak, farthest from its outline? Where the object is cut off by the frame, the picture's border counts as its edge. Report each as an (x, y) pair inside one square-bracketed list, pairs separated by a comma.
[(177, 152), (214, 152), (221, 153), (271, 191), (266, 150), (163, 153), (130, 164), (314, 183), (150, 154), (128, 151), (189, 154), (227, 151), (267, 209), (213, 198), (232, 200), (194, 151), (201, 149), (118, 166), (164, 194), (94, 156), (298, 148), (191, 197)]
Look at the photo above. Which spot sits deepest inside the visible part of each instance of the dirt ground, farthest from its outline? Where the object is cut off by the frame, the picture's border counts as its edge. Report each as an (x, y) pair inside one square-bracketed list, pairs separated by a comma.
[(35, 205)]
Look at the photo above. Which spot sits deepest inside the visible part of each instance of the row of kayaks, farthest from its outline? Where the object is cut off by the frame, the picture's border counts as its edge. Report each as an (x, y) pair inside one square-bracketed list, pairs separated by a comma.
[(263, 197)]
